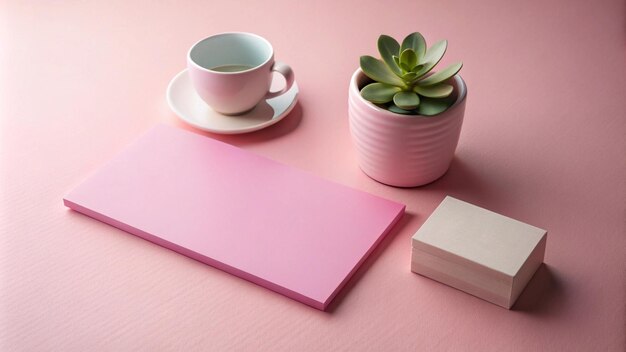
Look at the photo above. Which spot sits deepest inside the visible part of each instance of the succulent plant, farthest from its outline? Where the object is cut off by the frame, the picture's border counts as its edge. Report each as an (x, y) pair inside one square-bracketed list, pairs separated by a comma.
[(402, 81)]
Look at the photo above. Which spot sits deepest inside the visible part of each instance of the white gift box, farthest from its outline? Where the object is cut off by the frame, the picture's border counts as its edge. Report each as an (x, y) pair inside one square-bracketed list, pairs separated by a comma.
[(478, 251)]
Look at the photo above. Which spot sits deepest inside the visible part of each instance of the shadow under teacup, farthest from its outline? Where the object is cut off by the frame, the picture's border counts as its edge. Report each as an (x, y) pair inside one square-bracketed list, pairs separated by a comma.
[(232, 72)]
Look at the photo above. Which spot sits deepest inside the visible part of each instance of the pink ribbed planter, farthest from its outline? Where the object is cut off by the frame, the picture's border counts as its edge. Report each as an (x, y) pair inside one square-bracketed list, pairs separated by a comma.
[(404, 150)]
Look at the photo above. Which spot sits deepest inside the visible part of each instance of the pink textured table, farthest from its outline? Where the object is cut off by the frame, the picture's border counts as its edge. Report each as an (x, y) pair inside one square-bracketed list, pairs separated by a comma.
[(543, 142)]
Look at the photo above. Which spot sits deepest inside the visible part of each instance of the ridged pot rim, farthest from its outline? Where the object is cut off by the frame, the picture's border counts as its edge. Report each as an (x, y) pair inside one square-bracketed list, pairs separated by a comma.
[(354, 90)]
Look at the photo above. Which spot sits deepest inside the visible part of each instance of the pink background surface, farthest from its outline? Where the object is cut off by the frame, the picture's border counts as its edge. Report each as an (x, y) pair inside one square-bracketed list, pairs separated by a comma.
[(543, 142)]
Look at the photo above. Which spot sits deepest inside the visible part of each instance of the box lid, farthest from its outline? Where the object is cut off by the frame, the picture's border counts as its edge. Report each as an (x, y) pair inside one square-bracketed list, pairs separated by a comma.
[(462, 232)]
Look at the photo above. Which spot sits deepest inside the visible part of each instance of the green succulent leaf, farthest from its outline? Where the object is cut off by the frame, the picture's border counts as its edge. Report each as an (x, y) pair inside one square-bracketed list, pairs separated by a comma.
[(409, 77), (379, 93), (406, 100), (405, 67), (416, 42), (397, 110), (409, 58), (379, 72), (433, 56), (417, 68), (388, 47), (441, 76), (396, 59), (441, 90), (429, 107)]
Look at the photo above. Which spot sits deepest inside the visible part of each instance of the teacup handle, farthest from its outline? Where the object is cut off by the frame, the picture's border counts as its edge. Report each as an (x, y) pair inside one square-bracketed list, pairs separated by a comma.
[(287, 72)]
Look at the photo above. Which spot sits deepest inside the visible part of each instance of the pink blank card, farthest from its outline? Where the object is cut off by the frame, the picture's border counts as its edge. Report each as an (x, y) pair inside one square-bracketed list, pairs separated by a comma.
[(271, 224)]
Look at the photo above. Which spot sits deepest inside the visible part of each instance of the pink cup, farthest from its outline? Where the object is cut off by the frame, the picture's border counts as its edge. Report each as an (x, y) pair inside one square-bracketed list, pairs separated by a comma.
[(232, 72)]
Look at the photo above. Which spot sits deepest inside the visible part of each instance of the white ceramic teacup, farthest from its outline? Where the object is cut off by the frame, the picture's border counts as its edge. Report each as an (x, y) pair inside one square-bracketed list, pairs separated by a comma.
[(232, 72)]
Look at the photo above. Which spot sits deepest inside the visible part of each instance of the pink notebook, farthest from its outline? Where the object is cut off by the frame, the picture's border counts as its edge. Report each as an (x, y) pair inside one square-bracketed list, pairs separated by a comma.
[(274, 225)]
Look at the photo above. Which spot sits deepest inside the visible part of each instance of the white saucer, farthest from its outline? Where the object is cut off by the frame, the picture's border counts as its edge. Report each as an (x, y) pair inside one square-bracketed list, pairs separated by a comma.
[(185, 103)]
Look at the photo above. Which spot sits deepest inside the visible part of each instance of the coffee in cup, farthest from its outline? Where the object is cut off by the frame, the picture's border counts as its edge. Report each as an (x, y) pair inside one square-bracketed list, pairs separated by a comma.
[(232, 72)]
